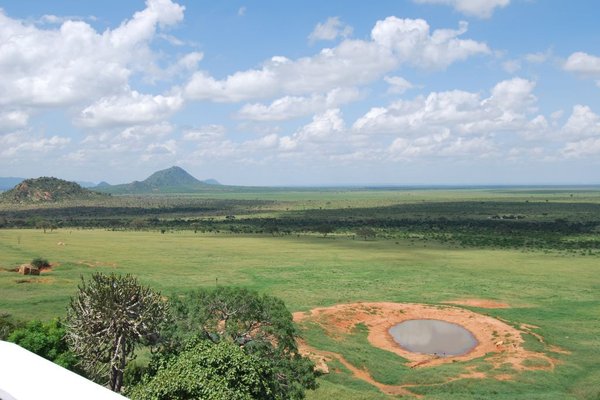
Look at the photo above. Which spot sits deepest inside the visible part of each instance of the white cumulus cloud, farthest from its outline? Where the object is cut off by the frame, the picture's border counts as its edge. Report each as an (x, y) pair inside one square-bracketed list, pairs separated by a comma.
[(121, 145), (21, 145), (330, 30), (410, 42), (582, 148), (476, 8), (204, 133), (582, 122), (83, 72), (398, 84), (289, 107), (10, 120), (539, 57), (160, 149), (324, 127), (130, 108), (394, 42), (583, 64), (42, 67), (461, 112)]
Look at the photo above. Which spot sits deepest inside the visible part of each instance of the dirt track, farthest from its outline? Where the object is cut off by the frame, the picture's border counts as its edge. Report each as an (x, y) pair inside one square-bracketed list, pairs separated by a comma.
[(498, 342)]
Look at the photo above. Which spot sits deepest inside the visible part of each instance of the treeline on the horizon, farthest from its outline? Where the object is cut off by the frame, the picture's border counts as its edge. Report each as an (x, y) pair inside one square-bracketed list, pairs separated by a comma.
[(539, 224)]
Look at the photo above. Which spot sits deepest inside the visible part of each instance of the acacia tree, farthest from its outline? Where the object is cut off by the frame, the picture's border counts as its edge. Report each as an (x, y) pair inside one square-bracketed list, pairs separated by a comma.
[(259, 324), (325, 229), (107, 318)]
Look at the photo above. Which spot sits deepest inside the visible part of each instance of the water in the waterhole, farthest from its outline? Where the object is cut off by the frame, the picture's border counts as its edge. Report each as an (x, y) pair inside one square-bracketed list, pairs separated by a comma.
[(430, 336)]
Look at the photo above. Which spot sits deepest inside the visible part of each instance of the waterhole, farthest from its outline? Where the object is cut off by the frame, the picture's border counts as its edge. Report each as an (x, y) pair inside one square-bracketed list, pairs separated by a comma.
[(431, 336)]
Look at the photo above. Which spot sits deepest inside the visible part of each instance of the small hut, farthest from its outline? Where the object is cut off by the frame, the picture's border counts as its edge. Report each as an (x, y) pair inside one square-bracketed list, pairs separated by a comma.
[(28, 269)]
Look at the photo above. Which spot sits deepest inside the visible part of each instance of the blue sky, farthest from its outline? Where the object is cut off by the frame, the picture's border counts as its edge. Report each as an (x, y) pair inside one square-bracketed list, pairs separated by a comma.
[(302, 93)]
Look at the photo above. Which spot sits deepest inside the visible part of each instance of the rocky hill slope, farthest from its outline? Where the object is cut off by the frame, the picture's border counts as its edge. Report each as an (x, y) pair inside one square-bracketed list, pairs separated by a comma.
[(47, 189)]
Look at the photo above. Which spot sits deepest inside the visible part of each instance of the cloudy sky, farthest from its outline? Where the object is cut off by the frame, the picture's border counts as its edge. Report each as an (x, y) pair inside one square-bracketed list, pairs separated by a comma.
[(302, 92)]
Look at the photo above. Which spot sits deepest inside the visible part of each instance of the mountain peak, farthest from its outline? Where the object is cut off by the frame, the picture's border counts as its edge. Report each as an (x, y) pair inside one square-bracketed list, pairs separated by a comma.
[(171, 180), (174, 176)]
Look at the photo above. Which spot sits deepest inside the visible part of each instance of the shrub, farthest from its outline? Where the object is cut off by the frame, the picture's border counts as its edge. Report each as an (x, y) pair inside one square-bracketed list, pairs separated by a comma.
[(7, 325), (46, 339), (40, 263), (205, 370)]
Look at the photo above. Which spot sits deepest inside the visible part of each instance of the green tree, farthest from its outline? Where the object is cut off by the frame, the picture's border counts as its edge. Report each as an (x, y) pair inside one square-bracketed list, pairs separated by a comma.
[(46, 339), (205, 370), (272, 229), (324, 230), (107, 318), (7, 325), (40, 263), (260, 324), (366, 233), (138, 224)]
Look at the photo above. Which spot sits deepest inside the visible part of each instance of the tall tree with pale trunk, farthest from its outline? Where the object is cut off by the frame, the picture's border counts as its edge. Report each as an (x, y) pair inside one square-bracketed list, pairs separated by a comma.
[(107, 318)]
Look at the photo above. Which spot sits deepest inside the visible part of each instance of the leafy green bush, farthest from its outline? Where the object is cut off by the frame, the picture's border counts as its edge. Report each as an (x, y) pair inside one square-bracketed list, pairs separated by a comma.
[(46, 339), (134, 372), (40, 263), (205, 370)]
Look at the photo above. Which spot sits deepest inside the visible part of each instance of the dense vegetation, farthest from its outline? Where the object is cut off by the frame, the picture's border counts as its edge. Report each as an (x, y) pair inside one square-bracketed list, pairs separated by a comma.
[(204, 370), (260, 324), (549, 220), (221, 343)]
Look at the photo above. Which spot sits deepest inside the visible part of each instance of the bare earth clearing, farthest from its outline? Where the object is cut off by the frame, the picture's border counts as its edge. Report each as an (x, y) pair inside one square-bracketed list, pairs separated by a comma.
[(500, 343), (481, 303)]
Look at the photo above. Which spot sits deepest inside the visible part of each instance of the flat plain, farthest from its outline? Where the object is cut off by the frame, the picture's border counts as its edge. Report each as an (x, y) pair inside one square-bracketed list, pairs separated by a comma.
[(436, 247)]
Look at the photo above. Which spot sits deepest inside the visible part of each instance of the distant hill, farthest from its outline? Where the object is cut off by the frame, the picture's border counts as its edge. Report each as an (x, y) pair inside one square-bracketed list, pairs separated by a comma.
[(170, 180), (85, 184), (9, 182), (47, 189), (211, 182), (102, 184), (174, 176)]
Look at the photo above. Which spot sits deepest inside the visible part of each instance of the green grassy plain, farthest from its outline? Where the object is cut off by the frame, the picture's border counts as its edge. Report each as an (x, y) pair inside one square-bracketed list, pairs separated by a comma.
[(537, 249), (557, 291)]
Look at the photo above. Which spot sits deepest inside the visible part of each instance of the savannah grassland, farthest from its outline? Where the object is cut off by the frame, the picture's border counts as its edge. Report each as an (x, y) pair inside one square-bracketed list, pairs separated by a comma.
[(431, 247)]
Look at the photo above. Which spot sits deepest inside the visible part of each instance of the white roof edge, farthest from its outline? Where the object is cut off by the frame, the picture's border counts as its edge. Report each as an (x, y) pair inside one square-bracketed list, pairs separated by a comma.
[(27, 376)]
